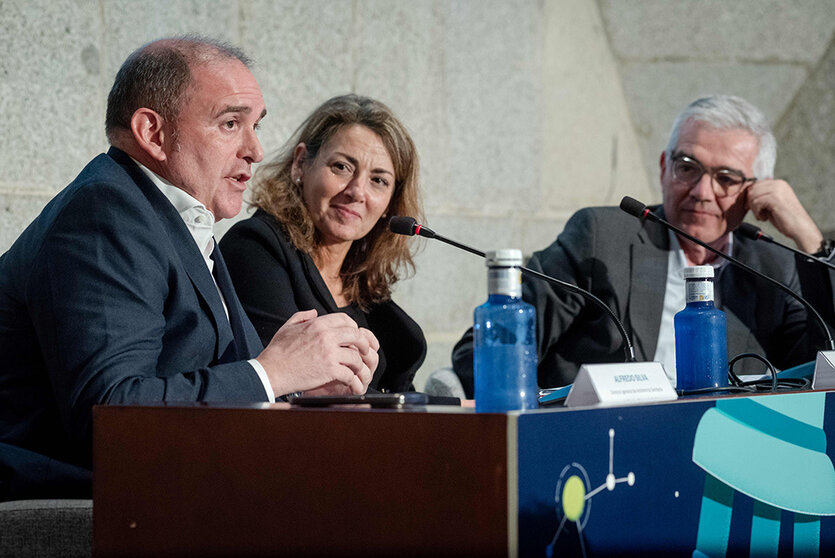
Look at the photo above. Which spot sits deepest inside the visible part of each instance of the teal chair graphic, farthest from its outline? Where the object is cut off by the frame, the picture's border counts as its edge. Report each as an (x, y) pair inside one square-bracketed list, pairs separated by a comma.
[(772, 449)]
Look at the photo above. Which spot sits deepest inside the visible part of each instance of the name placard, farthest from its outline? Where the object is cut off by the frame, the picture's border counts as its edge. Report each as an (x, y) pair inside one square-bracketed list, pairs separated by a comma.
[(620, 384), (824, 377)]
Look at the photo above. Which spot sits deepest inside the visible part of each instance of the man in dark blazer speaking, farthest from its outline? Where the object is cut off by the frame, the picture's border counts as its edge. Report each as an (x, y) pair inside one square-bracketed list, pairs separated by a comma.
[(718, 165), (115, 293)]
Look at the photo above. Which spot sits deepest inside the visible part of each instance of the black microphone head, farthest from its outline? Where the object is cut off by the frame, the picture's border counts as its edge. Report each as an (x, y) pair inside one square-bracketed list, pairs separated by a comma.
[(633, 207), (749, 231), (403, 225)]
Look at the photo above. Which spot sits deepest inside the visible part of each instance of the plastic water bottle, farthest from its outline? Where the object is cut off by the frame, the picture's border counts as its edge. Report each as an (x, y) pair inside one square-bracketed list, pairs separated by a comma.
[(505, 340), (701, 335)]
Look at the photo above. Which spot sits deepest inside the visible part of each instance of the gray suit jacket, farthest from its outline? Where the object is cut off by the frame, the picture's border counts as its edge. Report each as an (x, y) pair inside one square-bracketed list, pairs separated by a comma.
[(624, 262)]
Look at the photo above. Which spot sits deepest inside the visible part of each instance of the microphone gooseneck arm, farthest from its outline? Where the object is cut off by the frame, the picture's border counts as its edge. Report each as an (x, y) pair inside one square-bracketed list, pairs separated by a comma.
[(755, 233), (458, 245), (409, 227), (638, 209), (628, 349)]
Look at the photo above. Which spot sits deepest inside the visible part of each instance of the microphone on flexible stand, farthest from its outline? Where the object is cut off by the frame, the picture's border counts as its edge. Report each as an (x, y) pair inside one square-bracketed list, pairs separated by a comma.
[(628, 382), (824, 374), (755, 233), (409, 227), (638, 209)]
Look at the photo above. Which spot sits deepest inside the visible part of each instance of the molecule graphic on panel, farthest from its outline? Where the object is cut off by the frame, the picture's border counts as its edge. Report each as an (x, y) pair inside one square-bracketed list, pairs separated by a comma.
[(573, 496)]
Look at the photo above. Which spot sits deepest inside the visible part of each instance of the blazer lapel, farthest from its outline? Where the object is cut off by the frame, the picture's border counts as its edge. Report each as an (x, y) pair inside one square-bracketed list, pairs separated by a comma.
[(647, 285), (184, 246), (734, 284), (319, 288)]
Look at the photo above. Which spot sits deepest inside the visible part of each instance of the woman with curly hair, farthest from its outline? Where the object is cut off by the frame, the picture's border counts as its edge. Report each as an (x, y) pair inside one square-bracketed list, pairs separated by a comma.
[(319, 238)]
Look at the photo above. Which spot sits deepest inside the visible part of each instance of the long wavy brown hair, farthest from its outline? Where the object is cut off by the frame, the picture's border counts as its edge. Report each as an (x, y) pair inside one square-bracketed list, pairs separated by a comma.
[(376, 261)]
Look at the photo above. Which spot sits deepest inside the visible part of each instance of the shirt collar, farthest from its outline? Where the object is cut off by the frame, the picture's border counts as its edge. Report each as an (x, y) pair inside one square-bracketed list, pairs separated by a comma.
[(199, 220), (717, 264)]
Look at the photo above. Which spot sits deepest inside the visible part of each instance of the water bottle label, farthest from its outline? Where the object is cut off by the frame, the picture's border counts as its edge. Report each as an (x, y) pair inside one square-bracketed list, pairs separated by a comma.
[(699, 291), (505, 281)]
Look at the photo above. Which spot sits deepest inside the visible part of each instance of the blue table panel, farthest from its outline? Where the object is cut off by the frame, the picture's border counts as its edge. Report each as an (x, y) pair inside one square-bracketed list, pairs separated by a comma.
[(624, 480)]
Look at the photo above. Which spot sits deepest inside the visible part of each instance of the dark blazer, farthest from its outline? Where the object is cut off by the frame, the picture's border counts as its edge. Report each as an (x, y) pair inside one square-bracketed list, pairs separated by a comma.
[(624, 262), (274, 280), (106, 299)]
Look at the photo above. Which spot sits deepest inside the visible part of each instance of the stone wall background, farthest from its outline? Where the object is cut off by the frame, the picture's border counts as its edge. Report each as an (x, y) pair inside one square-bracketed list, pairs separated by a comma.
[(523, 110)]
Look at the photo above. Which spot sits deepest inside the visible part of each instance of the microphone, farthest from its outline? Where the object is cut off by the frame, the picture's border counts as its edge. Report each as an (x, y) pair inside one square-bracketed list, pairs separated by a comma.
[(641, 211), (755, 233), (409, 227)]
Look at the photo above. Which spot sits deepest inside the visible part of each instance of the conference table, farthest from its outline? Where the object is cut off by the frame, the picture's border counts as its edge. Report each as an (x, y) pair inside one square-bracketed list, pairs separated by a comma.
[(737, 475)]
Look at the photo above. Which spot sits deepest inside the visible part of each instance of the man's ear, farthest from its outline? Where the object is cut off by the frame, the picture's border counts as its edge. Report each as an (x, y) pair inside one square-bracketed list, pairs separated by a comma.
[(663, 164), (151, 134)]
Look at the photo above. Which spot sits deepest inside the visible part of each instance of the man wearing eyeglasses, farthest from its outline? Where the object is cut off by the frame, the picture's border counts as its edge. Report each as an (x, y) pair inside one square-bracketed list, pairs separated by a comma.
[(717, 166), (709, 181)]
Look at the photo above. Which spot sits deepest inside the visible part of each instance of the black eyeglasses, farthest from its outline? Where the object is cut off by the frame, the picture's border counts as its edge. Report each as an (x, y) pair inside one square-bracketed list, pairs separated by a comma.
[(687, 171)]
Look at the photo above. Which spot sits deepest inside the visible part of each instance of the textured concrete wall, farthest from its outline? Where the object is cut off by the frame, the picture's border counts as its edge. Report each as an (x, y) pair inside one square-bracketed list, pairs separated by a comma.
[(766, 51), (522, 110), (806, 135)]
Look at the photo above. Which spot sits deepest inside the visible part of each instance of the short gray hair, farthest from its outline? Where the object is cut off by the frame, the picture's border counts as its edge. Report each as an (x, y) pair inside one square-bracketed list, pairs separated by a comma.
[(726, 112)]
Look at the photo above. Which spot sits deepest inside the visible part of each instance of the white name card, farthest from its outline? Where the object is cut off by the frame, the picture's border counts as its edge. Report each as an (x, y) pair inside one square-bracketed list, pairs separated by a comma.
[(620, 384), (824, 377)]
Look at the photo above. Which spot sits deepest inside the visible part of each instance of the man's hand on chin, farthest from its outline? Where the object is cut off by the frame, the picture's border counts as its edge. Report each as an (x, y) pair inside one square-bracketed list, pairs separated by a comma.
[(774, 200)]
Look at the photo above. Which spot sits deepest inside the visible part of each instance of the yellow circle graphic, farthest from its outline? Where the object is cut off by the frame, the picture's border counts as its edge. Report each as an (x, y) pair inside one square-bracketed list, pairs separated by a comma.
[(573, 498)]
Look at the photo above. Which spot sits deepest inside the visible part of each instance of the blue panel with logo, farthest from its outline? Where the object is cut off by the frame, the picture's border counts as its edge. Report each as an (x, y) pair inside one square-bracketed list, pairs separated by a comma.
[(741, 476)]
